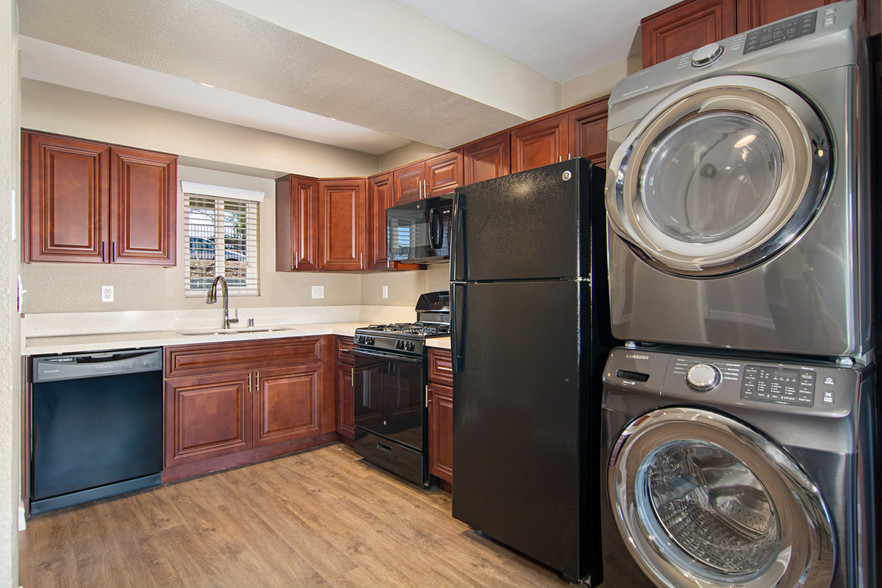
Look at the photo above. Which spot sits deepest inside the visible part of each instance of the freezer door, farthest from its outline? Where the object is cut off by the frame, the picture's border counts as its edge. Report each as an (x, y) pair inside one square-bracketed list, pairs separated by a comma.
[(524, 438), (530, 225)]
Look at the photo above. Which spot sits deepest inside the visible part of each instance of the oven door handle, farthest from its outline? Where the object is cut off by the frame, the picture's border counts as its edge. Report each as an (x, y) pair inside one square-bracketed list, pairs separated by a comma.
[(384, 355)]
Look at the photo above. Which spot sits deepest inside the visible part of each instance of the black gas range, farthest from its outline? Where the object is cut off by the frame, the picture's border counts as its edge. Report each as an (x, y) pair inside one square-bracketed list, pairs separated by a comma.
[(389, 384), (400, 337)]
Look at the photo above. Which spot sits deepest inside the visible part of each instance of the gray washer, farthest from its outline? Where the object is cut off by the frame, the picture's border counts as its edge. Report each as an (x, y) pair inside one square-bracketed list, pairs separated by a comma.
[(762, 479), (738, 211)]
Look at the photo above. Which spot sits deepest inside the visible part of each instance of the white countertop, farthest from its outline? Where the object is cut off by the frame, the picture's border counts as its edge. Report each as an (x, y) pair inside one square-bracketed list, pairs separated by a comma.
[(112, 341)]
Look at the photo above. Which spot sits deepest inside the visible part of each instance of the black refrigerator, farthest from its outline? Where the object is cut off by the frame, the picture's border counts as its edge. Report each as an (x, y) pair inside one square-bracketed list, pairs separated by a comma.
[(530, 334)]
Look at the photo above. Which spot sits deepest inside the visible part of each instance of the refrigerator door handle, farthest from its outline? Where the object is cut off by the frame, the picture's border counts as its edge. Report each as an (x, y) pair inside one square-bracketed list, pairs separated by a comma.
[(457, 238), (457, 336)]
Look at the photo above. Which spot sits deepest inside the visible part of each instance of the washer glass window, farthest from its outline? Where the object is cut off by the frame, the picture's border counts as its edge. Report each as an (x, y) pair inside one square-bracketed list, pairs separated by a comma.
[(721, 520), (712, 176)]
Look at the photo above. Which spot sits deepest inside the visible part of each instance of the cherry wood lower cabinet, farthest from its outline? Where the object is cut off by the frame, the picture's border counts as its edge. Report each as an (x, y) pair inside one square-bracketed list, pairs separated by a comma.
[(440, 400), (229, 404), (344, 391)]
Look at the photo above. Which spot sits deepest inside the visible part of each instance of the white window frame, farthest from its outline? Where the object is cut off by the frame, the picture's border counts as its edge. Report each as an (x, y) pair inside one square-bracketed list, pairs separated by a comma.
[(221, 197)]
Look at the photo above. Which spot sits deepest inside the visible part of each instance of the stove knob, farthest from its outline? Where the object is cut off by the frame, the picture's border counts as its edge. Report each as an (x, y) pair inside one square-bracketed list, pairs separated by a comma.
[(410, 346), (703, 377), (359, 339), (370, 341), (399, 344)]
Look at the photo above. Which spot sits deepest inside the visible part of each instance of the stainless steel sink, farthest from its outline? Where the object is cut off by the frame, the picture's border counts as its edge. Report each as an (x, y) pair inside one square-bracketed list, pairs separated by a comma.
[(245, 331)]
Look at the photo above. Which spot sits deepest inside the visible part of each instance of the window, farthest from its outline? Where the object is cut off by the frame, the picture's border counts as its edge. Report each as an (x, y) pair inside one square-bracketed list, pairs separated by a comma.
[(220, 238)]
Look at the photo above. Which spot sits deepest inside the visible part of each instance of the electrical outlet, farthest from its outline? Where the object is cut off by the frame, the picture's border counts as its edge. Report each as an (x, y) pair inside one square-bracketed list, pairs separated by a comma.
[(106, 293), (385, 291), (318, 291)]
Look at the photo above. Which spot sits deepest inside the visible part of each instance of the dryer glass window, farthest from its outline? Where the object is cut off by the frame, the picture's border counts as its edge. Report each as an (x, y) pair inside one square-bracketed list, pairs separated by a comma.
[(710, 512), (710, 177)]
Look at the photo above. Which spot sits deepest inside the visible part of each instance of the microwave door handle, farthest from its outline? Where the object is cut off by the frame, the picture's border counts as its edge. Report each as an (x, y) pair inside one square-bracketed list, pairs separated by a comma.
[(435, 232)]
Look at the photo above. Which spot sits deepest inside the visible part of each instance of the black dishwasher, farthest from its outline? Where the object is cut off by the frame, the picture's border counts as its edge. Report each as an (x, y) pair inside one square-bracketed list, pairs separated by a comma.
[(96, 426)]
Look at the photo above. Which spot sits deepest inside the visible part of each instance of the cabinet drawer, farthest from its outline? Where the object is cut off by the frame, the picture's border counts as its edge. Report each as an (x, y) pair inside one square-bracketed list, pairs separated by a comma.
[(210, 358), (440, 366)]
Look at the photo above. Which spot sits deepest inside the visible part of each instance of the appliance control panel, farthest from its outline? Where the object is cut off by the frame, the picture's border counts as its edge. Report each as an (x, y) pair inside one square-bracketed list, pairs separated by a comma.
[(733, 381), (779, 384)]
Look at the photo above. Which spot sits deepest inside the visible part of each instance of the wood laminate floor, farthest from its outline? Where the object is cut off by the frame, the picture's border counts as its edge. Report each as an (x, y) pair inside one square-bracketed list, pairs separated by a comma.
[(320, 518)]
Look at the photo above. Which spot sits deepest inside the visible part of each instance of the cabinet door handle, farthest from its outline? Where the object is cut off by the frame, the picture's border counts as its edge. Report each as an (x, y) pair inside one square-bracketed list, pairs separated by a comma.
[(101, 251), (352, 375), (443, 368), (249, 383), (256, 382), (113, 251)]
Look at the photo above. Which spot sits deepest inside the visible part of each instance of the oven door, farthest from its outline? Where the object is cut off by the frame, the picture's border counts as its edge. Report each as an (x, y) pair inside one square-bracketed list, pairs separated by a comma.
[(390, 396)]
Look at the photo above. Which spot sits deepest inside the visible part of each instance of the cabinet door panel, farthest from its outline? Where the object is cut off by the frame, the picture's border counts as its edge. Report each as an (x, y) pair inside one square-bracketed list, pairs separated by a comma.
[(345, 407), (287, 404), (379, 199), (540, 143), (66, 192), (297, 221), (685, 27), (588, 131), (407, 183), (441, 431), (342, 218), (443, 173), (143, 200), (487, 159), (206, 417)]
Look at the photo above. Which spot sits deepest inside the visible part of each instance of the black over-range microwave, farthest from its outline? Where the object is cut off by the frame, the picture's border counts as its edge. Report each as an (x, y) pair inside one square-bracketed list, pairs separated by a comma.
[(419, 232)]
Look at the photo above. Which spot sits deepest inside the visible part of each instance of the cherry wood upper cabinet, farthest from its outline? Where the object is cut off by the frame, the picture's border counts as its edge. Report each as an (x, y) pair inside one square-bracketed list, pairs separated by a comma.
[(443, 173), (408, 182), (143, 198), (686, 26), (297, 222), (90, 202), (487, 159), (380, 197), (342, 213), (429, 177), (587, 130), (539, 143), (691, 24)]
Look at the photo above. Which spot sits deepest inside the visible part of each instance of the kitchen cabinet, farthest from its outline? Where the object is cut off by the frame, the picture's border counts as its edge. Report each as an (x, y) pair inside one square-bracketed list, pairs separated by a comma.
[(342, 224), (344, 391), (380, 197), (440, 400), (539, 143), (297, 222), (691, 24), (487, 158), (228, 404), (91, 202), (430, 177), (587, 131)]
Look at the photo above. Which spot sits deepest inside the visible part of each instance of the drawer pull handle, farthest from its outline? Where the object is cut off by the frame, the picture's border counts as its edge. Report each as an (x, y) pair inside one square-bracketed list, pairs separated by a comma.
[(443, 368), (384, 448)]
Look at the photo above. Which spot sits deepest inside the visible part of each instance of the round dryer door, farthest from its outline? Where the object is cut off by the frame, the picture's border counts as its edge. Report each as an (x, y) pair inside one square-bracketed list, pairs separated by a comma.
[(701, 499), (719, 176)]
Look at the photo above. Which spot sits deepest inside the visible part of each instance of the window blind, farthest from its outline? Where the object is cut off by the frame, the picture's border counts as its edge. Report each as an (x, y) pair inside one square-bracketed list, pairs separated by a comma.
[(221, 239)]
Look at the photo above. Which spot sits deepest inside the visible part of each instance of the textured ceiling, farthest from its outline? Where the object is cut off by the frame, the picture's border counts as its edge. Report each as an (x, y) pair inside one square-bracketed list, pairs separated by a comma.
[(268, 76)]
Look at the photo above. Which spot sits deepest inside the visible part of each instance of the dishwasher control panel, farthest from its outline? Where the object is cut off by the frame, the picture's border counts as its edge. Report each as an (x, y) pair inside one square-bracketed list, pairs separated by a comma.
[(92, 365)]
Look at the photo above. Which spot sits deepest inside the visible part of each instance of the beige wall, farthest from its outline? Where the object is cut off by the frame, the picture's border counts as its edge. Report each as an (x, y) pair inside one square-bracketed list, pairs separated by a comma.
[(600, 82), (10, 376), (56, 109)]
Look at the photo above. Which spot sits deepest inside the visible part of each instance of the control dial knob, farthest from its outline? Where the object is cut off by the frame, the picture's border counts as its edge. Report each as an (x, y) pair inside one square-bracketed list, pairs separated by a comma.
[(703, 377), (706, 55)]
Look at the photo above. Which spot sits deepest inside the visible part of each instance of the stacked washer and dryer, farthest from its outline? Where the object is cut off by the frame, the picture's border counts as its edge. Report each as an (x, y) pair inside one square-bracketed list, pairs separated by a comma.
[(738, 421)]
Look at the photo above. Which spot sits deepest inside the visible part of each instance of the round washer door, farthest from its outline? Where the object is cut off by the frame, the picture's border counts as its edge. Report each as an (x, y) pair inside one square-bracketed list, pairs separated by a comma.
[(719, 176), (703, 500)]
